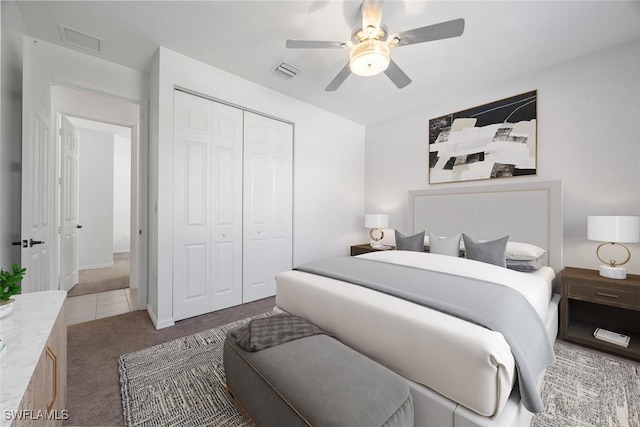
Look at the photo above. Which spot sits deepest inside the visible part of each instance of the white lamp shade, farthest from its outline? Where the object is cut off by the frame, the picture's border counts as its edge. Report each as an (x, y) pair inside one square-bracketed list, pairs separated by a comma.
[(618, 229), (376, 221)]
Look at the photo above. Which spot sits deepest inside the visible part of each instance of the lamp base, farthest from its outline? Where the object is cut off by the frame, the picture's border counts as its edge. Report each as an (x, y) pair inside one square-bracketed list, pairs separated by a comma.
[(613, 272)]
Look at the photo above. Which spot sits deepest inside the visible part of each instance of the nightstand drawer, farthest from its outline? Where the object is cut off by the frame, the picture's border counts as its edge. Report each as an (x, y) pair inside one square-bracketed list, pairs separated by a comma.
[(603, 295)]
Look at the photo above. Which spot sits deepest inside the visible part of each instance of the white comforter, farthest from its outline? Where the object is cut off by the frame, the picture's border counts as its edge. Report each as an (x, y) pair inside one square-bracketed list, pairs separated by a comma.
[(465, 362)]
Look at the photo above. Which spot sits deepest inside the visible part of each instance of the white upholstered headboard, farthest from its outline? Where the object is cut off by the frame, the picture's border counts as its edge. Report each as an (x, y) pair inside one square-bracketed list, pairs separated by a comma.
[(528, 212)]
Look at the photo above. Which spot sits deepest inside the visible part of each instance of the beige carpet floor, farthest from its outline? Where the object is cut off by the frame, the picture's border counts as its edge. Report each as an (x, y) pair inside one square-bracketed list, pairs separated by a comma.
[(93, 384), (104, 279)]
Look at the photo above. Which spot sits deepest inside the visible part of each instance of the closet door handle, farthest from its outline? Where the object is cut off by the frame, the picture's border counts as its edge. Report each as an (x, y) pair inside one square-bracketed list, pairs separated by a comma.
[(23, 243), (35, 242)]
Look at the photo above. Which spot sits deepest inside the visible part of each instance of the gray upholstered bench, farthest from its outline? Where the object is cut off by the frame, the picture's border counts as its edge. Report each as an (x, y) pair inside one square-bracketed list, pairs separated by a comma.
[(315, 381)]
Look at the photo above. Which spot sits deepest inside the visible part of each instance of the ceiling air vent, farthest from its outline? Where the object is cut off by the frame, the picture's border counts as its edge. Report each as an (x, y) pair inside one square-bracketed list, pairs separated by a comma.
[(287, 71), (78, 39)]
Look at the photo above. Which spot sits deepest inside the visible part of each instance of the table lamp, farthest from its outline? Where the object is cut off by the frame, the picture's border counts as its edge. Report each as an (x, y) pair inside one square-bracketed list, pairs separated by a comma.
[(375, 222), (613, 230)]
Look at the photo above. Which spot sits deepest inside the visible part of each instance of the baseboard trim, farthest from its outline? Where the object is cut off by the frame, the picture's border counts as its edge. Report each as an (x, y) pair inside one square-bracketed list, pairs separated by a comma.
[(93, 267), (154, 318)]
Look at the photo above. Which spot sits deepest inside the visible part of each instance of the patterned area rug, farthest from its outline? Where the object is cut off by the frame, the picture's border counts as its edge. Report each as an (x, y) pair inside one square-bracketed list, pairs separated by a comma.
[(588, 388), (181, 383)]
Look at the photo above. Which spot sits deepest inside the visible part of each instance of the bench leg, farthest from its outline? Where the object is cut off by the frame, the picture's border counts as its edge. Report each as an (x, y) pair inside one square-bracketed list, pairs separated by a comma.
[(240, 406)]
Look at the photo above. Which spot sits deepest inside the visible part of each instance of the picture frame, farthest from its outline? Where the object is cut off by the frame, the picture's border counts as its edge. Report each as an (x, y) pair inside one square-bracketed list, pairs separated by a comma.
[(490, 141)]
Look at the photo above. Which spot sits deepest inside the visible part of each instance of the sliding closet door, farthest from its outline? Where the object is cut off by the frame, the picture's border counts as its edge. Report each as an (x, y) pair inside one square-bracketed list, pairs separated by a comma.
[(207, 206), (268, 205)]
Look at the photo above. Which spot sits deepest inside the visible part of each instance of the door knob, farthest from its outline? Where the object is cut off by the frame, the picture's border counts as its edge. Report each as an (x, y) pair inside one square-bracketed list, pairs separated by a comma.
[(35, 242), (23, 243)]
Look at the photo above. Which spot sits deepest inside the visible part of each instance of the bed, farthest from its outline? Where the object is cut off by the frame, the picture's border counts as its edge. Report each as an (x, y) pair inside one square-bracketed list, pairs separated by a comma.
[(460, 374)]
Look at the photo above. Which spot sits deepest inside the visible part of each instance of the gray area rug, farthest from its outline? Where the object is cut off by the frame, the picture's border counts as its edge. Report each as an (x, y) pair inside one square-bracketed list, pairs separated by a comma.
[(589, 388), (103, 279), (181, 382)]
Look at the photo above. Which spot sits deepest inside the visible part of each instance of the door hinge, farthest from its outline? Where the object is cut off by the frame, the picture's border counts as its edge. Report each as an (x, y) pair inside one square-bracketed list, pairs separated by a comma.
[(59, 230), (60, 131)]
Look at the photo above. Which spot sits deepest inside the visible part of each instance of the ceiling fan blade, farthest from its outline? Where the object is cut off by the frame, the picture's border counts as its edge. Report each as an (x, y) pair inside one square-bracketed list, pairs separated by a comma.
[(339, 79), (443, 30), (315, 44), (371, 13), (397, 76)]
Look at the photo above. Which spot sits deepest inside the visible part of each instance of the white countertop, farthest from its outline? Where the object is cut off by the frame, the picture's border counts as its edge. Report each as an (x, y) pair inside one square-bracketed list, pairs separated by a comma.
[(25, 332)]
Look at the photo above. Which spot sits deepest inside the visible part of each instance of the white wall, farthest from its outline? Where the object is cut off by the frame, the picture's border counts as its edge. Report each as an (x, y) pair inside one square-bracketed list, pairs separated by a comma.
[(121, 193), (66, 67), (12, 27), (588, 114), (328, 167), (95, 192)]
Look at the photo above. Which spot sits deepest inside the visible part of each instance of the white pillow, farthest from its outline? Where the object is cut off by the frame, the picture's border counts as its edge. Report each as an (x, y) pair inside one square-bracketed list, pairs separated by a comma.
[(515, 250), (444, 245), (427, 241), (523, 251)]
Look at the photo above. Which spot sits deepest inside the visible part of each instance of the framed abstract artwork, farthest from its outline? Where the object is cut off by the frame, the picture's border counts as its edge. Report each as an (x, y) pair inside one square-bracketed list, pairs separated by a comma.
[(494, 140)]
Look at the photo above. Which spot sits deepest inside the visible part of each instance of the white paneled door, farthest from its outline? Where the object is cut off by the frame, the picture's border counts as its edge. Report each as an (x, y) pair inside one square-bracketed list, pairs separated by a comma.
[(207, 270), (268, 204), (68, 204), (233, 208), (37, 229)]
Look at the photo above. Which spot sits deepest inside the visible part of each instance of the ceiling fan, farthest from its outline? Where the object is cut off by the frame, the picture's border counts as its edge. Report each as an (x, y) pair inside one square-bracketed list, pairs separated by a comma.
[(371, 45)]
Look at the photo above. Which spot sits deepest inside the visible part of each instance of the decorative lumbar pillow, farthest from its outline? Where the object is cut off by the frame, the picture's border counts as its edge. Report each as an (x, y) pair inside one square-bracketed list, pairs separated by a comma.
[(523, 251), (410, 243), (444, 245), (491, 252), (524, 265)]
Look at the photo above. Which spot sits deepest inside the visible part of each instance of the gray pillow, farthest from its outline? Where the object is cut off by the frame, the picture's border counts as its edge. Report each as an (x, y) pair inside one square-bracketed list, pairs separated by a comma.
[(524, 265), (410, 243), (444, 245), (492, 252)]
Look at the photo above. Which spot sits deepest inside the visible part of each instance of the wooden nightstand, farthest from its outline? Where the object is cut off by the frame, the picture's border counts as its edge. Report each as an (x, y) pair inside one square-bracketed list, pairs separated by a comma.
[(365, 248), (590, 301)]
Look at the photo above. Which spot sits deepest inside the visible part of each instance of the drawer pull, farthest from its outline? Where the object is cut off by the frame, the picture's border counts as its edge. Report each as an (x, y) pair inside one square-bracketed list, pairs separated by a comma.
[(54, 381), (602, 294)]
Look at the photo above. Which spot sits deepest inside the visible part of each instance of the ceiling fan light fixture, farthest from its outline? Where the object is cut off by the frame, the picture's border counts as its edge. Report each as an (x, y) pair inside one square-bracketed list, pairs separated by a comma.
[(369, 57)]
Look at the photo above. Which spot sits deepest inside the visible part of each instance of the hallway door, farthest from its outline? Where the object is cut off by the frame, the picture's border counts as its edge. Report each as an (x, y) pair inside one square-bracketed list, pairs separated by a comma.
[(68, 205), (37, 227)]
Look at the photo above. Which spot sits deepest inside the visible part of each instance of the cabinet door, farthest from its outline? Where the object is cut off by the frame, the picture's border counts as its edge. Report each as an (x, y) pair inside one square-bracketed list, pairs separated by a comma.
[(268, 204), (46, 394)]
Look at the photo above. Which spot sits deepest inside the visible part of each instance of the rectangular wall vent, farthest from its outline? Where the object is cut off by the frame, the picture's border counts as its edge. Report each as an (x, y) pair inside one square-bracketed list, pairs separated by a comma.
[(79, 39), (286, 70)]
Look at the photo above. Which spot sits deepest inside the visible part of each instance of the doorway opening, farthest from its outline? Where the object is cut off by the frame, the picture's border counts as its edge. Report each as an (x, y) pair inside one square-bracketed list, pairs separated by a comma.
[(97, 193)]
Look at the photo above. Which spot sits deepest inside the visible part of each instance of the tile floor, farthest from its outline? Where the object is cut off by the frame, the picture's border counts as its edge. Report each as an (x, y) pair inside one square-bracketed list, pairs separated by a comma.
[(88, 307)]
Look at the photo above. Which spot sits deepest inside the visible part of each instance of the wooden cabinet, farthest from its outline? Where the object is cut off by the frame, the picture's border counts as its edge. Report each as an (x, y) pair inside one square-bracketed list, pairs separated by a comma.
[(45, 398), (33, 385), (590, 301)]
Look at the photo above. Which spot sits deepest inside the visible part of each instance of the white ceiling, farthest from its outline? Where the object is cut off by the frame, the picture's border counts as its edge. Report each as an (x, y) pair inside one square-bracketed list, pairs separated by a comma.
[(502, 40)]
